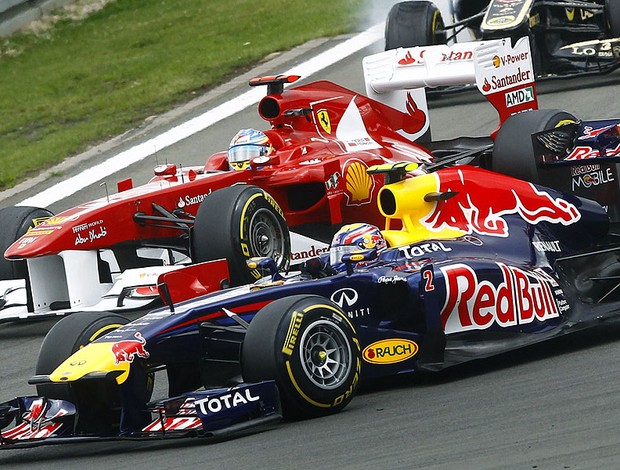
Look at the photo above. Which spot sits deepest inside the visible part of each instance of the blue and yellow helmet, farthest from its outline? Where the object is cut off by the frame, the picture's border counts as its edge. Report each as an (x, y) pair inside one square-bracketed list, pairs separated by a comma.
[(246, 145), (355, 237)]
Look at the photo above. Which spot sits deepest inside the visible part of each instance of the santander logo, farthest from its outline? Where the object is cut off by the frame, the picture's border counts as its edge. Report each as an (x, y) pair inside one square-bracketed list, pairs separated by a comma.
[(452, 56)]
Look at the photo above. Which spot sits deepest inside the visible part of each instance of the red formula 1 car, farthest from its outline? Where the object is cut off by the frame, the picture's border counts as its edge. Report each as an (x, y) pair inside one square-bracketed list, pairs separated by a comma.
[(567, 37), (107, 254)]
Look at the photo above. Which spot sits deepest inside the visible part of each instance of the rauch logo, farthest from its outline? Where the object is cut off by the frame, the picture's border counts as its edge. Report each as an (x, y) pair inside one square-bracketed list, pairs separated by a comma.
[(390, 351)]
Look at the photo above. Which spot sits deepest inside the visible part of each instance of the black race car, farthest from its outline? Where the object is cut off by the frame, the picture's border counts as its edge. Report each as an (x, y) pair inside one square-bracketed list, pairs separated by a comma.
[(567, 37)]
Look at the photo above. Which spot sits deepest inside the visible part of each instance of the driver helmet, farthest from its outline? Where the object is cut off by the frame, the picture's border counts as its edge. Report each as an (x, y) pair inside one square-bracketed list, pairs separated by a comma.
[(354, 237), (246, 145)]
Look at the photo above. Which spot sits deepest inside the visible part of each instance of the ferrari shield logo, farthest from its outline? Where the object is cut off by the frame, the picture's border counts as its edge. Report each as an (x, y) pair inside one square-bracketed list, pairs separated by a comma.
[(324, 121)]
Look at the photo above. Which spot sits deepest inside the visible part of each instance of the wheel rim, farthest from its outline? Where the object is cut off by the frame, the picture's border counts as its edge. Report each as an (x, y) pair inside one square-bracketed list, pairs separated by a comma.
[(266, 238), (325, 355)]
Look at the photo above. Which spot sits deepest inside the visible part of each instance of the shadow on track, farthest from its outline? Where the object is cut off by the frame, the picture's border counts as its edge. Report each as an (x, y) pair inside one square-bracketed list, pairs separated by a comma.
[(605, 333)]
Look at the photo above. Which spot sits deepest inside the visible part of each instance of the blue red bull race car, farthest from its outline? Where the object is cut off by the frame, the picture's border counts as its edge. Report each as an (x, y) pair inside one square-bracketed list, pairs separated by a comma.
[(476, 263)]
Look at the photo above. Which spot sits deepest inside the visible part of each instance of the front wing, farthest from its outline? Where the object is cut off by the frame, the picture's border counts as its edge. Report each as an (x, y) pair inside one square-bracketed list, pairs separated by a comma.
[(35, 421)]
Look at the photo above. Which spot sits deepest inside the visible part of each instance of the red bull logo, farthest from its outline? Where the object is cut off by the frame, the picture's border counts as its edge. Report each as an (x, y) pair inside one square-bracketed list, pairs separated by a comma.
[(482, 199), (519, 298), (127, 350)]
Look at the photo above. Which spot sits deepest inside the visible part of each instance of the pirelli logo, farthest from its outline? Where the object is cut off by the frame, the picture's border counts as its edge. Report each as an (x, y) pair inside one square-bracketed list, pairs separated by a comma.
[(291, 334)]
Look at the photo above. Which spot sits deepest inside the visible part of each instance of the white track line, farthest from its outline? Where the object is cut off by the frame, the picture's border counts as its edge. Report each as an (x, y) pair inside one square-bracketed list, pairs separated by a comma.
[(139, 152)]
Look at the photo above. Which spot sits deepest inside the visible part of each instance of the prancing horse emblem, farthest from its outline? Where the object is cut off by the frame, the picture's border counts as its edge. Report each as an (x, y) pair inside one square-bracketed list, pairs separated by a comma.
[(324, 120)]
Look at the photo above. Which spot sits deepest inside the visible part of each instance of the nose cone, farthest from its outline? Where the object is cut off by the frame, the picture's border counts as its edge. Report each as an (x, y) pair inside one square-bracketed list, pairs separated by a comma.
[(94, 358)]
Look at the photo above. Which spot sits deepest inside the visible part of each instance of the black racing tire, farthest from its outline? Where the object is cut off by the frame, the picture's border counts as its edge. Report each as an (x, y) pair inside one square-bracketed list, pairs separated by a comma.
[(238, 223), (65, 338), (309, 347), (612, 15), (513, 152), (414, 23), (464, 9), (16, 221)]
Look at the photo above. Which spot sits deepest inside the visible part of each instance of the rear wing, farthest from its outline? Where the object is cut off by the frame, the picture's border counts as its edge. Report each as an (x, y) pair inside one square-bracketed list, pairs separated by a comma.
[(502, 73)]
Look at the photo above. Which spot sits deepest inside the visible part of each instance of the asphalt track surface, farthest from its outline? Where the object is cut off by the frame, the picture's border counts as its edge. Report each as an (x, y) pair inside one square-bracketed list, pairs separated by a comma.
[(551, 406)]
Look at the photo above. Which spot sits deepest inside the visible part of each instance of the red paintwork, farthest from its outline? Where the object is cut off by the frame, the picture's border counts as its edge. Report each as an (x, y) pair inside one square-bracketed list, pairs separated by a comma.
[(193, 281), (306, 154)]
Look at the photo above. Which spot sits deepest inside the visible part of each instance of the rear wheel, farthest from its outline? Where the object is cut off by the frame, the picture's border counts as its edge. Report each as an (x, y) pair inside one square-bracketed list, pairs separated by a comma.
[(238, 223), (414, 23), (308, 346), (513, 153)]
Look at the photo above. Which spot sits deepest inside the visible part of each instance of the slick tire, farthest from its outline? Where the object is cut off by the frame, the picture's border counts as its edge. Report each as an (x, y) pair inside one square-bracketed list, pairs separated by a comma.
[(238, 223), (65, 338), (308, 346), (612, 14), (16, 221), (513, 153), (414, 23)]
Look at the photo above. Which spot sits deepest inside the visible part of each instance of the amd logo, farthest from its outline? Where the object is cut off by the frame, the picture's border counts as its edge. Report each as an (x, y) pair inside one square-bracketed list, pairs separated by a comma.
[(524, 95)]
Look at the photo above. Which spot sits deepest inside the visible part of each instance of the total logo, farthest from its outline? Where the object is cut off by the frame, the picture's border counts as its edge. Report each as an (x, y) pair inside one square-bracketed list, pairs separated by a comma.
[(415, 251), (390, 351), (214, 405), (517, 97)]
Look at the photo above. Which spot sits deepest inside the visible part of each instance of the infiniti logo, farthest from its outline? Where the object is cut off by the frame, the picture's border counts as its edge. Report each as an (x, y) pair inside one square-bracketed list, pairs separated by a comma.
[(344, 297)]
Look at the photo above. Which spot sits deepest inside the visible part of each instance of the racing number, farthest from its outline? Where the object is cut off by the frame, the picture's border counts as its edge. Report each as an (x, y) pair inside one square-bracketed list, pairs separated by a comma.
[(428, 277)]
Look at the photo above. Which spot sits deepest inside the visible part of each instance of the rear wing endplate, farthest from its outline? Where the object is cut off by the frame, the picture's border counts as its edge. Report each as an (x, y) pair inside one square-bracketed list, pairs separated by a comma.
[(502, 73)]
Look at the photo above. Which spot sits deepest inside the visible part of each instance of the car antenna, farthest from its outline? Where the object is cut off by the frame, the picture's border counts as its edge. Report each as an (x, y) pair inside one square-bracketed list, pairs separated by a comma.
[(165, 292), (107, 195)]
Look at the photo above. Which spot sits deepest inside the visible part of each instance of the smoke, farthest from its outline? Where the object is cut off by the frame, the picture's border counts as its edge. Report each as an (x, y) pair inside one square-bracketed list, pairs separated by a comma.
[(376, 11)]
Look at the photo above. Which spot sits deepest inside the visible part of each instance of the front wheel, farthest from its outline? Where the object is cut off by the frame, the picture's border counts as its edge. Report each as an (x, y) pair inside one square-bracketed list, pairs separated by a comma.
[(238, 223), (414, 23), (65, 338), (308, 346), (98, 401), (612, 14), (16, 221)]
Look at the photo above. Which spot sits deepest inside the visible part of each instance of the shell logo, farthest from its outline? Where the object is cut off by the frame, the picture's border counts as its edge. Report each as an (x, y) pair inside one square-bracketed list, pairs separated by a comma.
[(359, 183), (496, 61), (390, 351)]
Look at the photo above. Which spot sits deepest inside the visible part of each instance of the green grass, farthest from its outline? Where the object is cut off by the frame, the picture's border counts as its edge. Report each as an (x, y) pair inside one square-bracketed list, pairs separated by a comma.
[(82, 82)]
